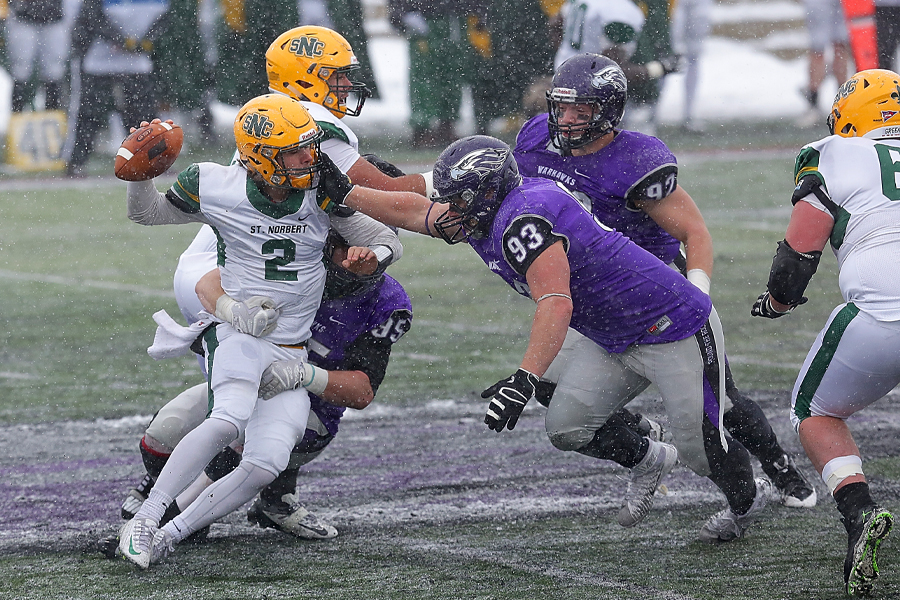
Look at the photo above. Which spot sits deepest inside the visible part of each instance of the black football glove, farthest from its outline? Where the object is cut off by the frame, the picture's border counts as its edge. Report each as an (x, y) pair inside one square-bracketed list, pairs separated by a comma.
[(763, 307), (384, 166), (543, 392), (334, 187), (508, 398)]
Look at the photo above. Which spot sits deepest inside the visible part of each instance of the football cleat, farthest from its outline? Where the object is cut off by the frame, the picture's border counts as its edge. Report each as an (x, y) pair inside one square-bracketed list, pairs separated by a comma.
[(289, 516), (136, 496), (661, 458), (864, 536), (726, 526), (136, 541), (794, 490), (161, 546)]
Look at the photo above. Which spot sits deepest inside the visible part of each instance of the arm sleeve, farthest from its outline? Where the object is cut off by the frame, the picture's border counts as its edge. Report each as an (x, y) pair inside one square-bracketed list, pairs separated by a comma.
[(361, 230), (370, 355), (149, 206)]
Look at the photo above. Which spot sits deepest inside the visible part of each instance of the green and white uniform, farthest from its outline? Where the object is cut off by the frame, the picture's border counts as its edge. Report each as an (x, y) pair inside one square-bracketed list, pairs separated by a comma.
[(595, 25), (855, 359), (265, 248)]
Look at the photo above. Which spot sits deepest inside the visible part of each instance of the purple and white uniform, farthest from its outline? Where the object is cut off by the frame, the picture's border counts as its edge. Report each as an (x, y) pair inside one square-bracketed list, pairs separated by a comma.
[(634, 167), (635, 320)]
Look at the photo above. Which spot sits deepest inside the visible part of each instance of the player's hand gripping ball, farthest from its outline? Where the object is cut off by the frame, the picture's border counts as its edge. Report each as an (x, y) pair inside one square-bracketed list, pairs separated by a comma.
[(148, 151)]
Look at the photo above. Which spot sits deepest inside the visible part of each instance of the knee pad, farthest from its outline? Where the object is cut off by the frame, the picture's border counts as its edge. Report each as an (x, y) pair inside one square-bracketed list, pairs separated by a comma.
[(838, 469), (569, 441), (222, 464)]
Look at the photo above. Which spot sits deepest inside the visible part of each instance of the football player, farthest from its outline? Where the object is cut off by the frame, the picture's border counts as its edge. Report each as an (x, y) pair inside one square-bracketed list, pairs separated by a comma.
[(610, 318), (346, 364), (629, 181), (846, 194), (270, 212), (313, 65)]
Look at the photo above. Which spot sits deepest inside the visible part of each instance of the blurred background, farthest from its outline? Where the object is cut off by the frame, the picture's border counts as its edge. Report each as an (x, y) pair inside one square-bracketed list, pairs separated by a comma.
[(736, 68)]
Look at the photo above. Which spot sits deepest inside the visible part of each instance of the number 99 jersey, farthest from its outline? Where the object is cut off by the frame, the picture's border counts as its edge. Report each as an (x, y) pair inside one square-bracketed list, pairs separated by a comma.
[(355, 333)]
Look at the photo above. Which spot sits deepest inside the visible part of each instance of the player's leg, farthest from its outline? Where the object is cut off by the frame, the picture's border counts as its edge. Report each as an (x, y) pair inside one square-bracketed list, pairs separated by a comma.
[(54, 53), (687, 374), (593, 386), (747, 423), (838, 379), (271, 433), (173, 421), (237, 361), (278, 505)]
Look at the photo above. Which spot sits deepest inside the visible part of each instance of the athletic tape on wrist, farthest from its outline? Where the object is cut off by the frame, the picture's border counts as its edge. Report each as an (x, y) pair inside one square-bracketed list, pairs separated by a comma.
[(430, 192), (838, 469), (700, 279), (317, 379)]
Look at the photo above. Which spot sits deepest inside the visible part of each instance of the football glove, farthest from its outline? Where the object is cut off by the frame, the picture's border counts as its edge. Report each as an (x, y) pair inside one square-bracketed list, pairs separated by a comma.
[(384, 166), (256, 316), (334, 187), (284, 375), (508, 399), (763, 307)]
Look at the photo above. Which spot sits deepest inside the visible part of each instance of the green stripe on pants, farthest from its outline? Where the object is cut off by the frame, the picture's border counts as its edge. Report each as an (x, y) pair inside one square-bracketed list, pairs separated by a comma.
[(823, 357)]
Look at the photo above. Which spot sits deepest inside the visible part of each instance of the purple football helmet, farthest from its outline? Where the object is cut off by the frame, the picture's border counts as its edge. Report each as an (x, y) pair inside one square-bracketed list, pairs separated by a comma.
[(586, 79), (473, 175)]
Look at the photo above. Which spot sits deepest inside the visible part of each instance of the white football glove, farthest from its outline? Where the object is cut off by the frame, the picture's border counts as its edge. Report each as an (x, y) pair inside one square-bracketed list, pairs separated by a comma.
[(256, 316), (284, 375)]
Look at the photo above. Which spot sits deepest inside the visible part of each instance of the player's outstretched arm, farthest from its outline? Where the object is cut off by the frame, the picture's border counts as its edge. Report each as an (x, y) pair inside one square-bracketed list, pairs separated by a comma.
[(406, 210)]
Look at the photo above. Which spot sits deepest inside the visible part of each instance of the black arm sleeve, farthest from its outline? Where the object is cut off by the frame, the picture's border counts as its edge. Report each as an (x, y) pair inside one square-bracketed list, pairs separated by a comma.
[(370, 355)]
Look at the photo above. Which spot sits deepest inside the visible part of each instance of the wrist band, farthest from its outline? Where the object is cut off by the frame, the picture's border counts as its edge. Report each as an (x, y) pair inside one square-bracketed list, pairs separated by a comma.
[(318, 379), (428, 176), (700, 279)]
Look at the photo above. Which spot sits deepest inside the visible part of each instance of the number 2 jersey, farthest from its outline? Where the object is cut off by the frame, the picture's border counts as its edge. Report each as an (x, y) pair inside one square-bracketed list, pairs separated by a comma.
[(264, 248), (634, 167), (862, 177), (622, 294)]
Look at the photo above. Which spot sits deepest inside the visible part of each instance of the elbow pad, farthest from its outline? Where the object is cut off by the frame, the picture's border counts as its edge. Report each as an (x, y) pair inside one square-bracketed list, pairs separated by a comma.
[(790, 273)]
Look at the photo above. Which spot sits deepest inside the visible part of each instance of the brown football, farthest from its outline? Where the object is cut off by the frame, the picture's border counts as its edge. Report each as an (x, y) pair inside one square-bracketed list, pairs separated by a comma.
[(148, 151)]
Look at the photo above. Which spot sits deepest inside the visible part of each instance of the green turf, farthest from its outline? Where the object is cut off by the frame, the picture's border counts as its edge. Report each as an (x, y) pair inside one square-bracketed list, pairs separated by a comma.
[(78, 283)]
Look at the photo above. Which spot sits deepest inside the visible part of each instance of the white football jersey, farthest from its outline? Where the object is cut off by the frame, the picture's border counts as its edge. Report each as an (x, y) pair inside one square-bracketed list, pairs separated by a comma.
[(340, 143), (595, 25), (267, 249), (862, 177)]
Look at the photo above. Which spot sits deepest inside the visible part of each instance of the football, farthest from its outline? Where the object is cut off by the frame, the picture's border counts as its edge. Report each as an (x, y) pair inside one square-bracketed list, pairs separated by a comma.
[(148, 152)]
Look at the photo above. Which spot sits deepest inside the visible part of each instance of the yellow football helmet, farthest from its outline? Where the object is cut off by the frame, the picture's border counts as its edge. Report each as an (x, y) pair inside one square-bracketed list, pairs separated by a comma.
[(268, 126), (867, 105), (300, 62)]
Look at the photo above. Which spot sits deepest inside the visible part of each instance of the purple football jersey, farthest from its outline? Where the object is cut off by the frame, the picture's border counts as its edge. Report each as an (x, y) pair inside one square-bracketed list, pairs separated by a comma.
[(385, 310), (633, 167), (622, 294)]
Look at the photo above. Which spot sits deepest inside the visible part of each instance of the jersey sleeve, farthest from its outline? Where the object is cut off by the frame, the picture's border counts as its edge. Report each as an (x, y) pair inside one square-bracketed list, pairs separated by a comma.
[(338, 148), (654, 186), (525, 239), (371, 351), (185, 192)]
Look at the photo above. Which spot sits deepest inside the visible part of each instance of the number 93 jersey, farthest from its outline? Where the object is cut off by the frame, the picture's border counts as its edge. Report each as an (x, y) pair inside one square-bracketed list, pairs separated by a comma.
[(862, 177), (621, 294), (633, 168), (264, 248)]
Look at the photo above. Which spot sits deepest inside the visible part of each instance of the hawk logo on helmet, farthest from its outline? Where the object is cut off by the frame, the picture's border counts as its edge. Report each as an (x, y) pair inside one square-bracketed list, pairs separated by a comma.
[(482, 162), (609, 75), (257, 125), (307, 46)]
